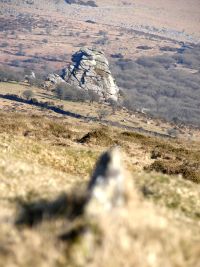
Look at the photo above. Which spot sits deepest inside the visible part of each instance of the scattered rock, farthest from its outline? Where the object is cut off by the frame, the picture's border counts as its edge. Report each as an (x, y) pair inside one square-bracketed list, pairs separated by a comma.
[(52, 80), (30, 76)]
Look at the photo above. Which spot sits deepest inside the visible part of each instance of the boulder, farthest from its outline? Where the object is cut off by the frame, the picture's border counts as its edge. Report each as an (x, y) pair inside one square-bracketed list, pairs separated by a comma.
[(53, 79), (31, 76), (90, 71)]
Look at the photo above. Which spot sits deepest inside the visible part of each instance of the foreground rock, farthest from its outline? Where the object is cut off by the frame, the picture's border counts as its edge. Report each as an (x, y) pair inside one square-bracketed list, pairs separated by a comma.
[(106, 186)]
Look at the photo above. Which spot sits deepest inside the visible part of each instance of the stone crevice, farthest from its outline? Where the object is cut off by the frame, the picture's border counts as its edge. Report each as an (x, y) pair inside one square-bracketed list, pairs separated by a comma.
[(90, 71)]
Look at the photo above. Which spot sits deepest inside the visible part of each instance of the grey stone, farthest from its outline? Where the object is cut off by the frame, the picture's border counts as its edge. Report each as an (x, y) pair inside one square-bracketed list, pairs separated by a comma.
[(53, 79), (90, 71), (106, 186)]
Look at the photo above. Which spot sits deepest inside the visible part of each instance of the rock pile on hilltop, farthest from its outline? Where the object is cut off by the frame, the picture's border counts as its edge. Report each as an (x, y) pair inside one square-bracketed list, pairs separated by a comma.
[(90, 71)]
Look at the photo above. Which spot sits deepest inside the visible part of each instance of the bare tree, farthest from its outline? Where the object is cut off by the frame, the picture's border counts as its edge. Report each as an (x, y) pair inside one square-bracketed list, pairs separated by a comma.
[(102, 114)]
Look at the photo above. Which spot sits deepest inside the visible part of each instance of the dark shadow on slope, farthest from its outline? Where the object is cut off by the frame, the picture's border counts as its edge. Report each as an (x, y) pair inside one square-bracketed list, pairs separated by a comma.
[(69, 206), (59, 110), (45, 105)]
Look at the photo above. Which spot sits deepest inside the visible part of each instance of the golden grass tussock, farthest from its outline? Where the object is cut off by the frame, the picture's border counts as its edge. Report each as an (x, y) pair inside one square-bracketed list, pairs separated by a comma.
[(171, 156), (34, 126), (101, 137)]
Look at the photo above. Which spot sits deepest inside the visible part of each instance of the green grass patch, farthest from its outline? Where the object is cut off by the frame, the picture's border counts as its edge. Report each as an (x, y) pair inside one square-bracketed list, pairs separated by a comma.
[(172, 192)]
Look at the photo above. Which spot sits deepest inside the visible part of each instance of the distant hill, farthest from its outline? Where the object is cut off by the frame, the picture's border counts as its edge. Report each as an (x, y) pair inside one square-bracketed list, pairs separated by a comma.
[(153, 46)]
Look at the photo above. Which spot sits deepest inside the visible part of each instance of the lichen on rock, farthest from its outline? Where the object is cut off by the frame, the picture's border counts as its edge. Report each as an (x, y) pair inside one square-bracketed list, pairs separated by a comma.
[(90, 71), (52, 80)]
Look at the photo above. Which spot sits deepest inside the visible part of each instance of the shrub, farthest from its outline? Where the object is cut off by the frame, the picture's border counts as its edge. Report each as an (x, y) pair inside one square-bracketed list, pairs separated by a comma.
[(144, 47), (114, 104), (99, 137), (8, 74), (45, 41), (4, 44), (158, 84), (102, 113), (93, 96), (189, 172), (80, 2), (60, 92), (102, 41), (66, 91), (36, 82), (28, 94), (119, 55)]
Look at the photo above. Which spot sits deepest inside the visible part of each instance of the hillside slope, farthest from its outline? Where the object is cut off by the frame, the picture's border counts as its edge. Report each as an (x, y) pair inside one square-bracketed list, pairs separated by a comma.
[(42, 157), (50, 142)]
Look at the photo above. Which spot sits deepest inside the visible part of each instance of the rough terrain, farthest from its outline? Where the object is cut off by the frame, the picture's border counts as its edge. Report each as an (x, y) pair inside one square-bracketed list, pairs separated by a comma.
[(50, 36), (61, 202), (46, 159), (41, 159)]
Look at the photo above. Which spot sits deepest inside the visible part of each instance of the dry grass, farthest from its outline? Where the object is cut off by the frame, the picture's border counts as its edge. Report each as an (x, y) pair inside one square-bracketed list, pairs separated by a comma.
[(40, 158), (101, 137), (189, 172), (171, 157), (35, 127), (172, 192), (122, 116)]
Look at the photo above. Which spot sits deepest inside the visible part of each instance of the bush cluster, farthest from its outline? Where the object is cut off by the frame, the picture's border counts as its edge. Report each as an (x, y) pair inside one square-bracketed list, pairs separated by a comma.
[(69, 92), (167, 85), (9, 74), (83, 3)]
